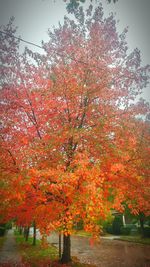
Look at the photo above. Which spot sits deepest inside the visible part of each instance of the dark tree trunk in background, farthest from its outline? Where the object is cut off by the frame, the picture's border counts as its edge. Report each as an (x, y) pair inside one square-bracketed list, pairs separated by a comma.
[(20, 230), (66, 256), (59, 245), (34, 233), (27, 233)]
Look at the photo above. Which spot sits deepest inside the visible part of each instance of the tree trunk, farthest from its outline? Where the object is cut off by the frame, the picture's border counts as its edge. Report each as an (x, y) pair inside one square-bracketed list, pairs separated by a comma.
[(20, 230), (59, 245), (34, 234), (66, 256), (27, 233), (24, 231)]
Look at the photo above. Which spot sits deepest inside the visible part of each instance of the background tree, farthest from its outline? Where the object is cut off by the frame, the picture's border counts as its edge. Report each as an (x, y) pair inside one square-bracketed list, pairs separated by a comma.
[(73, 5)]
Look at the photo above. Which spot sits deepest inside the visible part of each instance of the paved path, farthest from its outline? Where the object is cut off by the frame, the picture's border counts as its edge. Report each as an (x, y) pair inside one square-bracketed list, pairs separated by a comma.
[(107, 252), (9, 254)]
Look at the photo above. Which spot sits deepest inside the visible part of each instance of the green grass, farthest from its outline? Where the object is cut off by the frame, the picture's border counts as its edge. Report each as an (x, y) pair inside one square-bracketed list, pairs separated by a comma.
[(38, 255), (42, 256), (135, 239), (2, 240), (82, 233)]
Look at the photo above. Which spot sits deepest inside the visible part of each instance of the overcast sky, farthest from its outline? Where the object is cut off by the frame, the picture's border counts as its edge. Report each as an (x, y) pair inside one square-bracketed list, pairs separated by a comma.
[(34, 17)]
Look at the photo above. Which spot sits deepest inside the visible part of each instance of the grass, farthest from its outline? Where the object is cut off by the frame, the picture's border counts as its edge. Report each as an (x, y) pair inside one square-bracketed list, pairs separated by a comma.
[(38, 255), (2, 240), (41, 255), (82, 233), (135, 239)]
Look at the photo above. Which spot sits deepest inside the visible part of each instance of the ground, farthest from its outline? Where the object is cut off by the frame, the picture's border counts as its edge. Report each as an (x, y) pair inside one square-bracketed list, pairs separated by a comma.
[(105, 253), (9, 252), (108, 252)]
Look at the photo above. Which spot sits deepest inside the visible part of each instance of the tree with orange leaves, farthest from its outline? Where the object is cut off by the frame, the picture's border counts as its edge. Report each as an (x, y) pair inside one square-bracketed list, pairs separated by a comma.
[(73, 119)]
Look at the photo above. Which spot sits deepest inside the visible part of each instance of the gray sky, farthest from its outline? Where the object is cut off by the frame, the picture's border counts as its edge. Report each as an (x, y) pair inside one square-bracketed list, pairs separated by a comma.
[(34, 17)]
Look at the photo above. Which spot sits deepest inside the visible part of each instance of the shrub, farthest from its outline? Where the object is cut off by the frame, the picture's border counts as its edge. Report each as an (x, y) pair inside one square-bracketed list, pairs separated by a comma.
[(8, 226), (109, 228), (116, 225), (146, 232), (131, 226), (2, 230), (125, 230)]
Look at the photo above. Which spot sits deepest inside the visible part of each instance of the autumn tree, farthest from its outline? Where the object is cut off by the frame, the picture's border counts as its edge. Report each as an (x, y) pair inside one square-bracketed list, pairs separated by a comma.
[(73, 123), (8, 162), (97, 83), (72, 5), (139, 204)]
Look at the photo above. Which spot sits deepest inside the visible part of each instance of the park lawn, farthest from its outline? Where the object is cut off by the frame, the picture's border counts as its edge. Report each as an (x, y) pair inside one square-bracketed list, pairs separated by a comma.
[(38, 255), (135, 239), (42, 255), (82, 233), (2, 240)]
